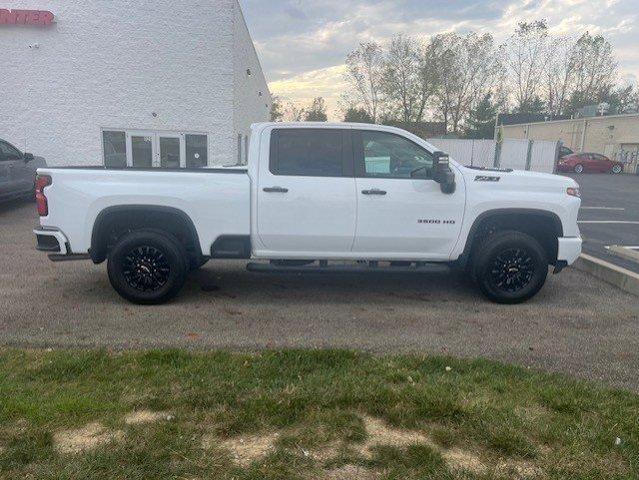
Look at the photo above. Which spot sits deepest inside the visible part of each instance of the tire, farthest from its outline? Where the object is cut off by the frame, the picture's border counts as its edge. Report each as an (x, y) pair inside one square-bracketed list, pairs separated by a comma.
[(617, 169), (147, 267), (510, 267), (579, 168)]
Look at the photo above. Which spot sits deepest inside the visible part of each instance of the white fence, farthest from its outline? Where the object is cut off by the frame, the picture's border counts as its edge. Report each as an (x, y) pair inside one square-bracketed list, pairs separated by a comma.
[(535, 155)]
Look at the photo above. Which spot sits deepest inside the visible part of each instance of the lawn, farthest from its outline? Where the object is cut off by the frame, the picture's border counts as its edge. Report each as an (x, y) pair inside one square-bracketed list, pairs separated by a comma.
[(304, 415)]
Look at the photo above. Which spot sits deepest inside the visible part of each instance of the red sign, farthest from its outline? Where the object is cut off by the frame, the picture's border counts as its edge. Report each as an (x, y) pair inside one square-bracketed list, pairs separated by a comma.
[(41, 18)]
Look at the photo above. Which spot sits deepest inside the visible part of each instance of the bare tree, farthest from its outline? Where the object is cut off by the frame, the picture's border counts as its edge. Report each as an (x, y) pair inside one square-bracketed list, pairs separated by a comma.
[(527, 55), (469, 68), (561, 74), (596, 67), (581, 72), (293, 112), (365, 70), (403, 83)]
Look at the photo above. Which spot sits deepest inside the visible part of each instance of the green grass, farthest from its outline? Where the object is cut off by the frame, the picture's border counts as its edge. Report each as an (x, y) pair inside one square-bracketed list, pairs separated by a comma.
[(516, 423)]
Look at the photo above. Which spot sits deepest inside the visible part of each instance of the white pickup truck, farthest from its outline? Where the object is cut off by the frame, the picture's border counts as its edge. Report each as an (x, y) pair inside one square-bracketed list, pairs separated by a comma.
[(314, 198)]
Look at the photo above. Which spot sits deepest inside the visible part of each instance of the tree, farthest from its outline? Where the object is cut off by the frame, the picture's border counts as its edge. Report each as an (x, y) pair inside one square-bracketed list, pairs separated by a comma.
[(527, 55), (596, 67), (277, 109), (293, 112), (533, 106), (469, 68), (481, 120), (406, 99), (357, 115), (623, 99), (365, 70), (317, 111), (561, 75), (581, 72)]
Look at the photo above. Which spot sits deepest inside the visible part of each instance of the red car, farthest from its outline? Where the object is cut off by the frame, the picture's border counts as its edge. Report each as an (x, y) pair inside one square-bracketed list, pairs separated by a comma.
[(588, 162)]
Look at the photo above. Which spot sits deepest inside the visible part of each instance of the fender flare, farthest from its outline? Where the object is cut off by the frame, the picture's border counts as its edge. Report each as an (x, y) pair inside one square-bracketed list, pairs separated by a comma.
[(98, 252), (494, 213)]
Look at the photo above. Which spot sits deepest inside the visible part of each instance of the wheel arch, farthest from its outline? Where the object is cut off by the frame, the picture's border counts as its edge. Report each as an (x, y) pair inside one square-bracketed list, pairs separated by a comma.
[(518, 219), (173, 219)]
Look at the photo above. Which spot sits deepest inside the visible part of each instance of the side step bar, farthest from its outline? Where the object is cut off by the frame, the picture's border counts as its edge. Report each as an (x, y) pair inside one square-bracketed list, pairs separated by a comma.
[(323, 268), (55, 257)]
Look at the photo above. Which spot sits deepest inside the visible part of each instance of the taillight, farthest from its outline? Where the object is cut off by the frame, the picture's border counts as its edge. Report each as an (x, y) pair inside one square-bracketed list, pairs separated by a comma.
[(41, 201)]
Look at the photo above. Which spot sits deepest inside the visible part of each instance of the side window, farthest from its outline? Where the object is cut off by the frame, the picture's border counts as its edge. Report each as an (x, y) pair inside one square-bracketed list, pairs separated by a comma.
[(308, 152), (7, 152), (386, 155)]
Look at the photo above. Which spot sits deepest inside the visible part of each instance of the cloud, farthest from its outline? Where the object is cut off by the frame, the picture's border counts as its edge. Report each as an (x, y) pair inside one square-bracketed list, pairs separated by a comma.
[(303, 43)]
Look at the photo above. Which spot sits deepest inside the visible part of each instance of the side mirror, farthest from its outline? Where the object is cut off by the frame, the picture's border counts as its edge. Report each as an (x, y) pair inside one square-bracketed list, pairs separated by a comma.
[(28, 157), (442, 173)]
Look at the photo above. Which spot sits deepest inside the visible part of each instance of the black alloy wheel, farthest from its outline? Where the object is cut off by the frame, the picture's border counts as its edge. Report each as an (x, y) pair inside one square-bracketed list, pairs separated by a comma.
[(145, 268), (512, 270), (510, 266), (148, 267)]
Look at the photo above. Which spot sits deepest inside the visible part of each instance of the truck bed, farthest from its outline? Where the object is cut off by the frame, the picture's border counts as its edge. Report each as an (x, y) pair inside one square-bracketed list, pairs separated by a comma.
[(216, 200)]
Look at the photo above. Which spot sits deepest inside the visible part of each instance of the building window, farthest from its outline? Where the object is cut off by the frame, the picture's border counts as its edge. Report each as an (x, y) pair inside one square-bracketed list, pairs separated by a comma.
[(196, 151), (153, 149), (114, 149)]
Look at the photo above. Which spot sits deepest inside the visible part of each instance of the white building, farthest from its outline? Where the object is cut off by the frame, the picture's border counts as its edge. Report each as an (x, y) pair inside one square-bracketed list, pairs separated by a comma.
[(148, 83)]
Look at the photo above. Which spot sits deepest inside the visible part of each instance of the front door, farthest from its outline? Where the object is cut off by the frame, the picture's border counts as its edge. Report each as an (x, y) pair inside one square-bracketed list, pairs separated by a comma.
[(306, 194), (399, 217)]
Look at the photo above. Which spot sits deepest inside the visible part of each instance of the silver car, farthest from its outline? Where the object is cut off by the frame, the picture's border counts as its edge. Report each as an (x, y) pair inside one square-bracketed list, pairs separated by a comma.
[(17, 171)]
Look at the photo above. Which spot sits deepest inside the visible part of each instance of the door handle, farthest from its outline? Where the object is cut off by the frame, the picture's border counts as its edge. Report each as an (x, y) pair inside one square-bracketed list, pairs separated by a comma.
[(374, 191), (275, 190)]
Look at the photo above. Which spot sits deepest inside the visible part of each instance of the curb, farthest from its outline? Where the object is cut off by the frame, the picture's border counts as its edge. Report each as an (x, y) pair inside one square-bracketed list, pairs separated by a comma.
[(619, 277)]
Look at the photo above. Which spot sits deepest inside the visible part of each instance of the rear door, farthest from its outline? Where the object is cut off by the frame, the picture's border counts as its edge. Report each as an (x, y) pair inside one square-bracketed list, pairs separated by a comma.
[(306, 194), (400, 217)]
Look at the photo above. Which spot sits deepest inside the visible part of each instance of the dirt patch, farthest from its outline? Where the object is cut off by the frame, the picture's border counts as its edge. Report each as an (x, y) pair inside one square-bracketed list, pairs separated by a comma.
[(244, 450), (144, 416), (462, 460), (86, 438), (351, 472), (519, 470), (379, 433)]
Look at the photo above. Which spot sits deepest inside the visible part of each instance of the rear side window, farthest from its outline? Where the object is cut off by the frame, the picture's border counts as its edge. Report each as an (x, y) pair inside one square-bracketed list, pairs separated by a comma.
[(309, 152)]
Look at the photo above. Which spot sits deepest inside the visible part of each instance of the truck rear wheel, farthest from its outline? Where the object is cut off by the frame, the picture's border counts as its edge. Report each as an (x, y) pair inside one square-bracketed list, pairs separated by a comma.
[(147, 267), (510, 267)]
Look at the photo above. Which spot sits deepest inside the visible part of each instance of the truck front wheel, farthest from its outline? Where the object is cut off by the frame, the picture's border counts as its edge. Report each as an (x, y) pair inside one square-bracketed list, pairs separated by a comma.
[(510, 267), (147, 267)]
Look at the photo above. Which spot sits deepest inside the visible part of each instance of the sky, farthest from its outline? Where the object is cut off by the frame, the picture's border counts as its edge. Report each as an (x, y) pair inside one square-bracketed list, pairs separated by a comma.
[(302, 44)]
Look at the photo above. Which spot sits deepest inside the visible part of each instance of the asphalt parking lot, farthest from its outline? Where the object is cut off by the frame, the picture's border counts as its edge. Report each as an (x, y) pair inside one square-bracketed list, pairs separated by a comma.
[(609, 215), (577, 325)]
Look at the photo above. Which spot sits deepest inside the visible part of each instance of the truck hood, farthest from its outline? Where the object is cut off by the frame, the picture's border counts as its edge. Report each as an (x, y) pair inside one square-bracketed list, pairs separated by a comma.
[(521, 176)]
